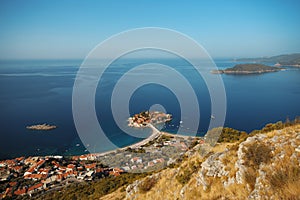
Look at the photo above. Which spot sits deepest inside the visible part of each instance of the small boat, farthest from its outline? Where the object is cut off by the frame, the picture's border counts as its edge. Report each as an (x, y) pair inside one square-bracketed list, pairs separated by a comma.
[(212, 117)]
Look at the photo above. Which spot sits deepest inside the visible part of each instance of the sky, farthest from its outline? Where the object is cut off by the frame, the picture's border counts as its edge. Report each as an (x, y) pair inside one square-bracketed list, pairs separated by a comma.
[(59, 29)]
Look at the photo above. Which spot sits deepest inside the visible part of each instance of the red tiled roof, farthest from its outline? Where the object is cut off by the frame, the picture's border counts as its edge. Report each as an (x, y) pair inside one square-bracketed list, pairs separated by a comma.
[(98, 170), (8, 191), (10, 162), (31, 169), (90, 166), (35, 186), (12, 183), (71, 166), (17, 168), (20, 158), (118, 170), (20, 191), (41, 162), (59, 176), (55, 163)]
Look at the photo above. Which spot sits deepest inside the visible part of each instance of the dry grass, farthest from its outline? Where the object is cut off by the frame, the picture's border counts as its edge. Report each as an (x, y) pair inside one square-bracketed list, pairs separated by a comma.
[(119, 194), (282, 180), (217, 191)]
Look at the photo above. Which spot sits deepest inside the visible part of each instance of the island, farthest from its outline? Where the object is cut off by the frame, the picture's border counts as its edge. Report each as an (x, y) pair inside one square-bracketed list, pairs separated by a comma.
[(145, 118), (247, 69), (43, 127)]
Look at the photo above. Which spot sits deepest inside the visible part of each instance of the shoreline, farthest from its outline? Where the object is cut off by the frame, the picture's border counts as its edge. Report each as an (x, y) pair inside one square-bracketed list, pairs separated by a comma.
[(155, 134)]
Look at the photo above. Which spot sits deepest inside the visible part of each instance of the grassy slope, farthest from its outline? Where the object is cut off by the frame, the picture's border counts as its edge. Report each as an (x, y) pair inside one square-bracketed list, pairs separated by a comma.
[(281, 181)]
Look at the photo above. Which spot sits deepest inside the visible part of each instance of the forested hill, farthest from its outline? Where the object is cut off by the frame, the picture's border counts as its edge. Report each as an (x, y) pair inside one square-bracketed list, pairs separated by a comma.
[(248, 69), (286, 59)]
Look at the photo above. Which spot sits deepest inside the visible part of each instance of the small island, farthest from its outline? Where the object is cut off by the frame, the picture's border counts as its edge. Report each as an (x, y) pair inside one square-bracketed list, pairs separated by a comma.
[(43, 127), (247, 69), (148, 117)]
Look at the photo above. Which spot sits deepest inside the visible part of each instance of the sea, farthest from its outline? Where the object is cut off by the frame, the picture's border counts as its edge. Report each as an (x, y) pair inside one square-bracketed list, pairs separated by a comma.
[(40, 91)]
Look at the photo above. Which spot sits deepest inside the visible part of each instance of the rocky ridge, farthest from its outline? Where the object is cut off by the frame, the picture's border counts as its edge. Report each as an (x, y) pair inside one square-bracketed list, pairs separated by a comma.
[(264, 166)]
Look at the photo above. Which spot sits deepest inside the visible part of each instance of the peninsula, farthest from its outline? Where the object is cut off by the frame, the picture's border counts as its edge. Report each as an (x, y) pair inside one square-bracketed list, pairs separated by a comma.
[(292, 60), (43, 127), (247, 69)]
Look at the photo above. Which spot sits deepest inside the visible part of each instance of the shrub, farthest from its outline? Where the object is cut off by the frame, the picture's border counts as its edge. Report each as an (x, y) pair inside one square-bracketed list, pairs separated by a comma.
[(147, 184), (231, 135), (184, 177), (256, 154)]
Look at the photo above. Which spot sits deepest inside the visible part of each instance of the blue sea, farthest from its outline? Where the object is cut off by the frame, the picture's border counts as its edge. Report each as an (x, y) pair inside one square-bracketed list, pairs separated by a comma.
[(40, 91)]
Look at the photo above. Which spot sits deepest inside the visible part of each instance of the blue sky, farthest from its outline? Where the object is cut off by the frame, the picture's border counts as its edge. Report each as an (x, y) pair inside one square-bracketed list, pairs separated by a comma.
[(70, 29)]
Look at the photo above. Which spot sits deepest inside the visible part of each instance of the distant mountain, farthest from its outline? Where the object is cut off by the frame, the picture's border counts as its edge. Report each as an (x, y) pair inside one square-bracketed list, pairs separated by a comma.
[(247, 69), (287, 59)]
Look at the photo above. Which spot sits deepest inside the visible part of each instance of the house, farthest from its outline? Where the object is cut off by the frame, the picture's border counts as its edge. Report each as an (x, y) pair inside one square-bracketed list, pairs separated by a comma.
[(90, 166), (39, 164), (137, 160), (8, 192), (160, 160), (71, 167), (83, 157), (126, 168), (35, 188), (118, 170), (2, 163), (49, 180), (140, 166), (89, 176), (12, 183), (34, 176), (20, 159), (133, 167), (80, 168), (20, 192), (10, 163), (150, 164), (59, 177), (56, 165), (17, 168), (44, 171)]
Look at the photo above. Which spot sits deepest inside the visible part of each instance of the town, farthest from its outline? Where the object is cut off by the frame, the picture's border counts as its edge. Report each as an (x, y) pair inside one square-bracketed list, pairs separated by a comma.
[(32, 175), (144, 118)]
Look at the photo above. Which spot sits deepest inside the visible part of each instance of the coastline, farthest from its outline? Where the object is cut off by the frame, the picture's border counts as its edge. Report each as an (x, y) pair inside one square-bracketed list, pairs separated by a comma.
[(155, 133), (242, 72)]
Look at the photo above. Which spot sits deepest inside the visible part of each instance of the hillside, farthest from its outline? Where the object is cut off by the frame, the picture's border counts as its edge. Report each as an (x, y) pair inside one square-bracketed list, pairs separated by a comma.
[(261, 165), (264, 166), (286, 59), (248, 69)]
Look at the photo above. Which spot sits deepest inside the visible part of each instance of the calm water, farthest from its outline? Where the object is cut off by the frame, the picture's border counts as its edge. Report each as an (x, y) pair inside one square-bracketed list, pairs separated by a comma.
[(41, 92)]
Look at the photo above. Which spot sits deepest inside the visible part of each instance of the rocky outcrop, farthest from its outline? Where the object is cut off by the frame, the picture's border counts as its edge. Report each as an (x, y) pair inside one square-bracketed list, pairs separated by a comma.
[(252, 166)]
